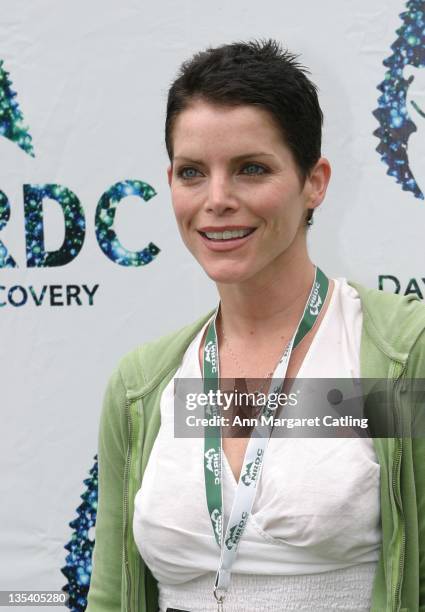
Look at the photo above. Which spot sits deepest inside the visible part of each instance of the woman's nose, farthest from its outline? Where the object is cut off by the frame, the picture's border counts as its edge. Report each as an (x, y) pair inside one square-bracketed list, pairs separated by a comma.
[(220, 196)]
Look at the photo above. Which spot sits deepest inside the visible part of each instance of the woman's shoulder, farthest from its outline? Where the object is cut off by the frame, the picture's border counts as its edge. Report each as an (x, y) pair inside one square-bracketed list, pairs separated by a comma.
[(154, 359), (379, 304), (393, 322)]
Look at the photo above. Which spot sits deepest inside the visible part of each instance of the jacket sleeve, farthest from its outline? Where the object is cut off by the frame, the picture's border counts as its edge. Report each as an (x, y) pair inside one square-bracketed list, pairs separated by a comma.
[(418, 455), (106, 578), (418, 449)]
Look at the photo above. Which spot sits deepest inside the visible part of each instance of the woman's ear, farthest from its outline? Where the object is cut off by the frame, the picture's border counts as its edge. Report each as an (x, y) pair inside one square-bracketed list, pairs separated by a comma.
[(318, 181), (169, 174)]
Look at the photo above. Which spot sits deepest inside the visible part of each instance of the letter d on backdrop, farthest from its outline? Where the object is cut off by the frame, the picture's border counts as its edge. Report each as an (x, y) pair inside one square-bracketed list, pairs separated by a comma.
[(75, 225)]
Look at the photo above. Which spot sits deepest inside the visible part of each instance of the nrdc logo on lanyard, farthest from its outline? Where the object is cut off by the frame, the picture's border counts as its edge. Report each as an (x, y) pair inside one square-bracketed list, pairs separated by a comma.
[(254, 455)]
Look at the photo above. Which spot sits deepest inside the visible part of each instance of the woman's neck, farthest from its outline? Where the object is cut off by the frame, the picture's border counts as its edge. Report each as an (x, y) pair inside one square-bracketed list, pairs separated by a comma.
[(266, 304)]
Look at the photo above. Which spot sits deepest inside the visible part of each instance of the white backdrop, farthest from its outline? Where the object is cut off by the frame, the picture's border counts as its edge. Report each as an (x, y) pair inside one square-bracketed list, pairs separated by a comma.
[(91, 80)]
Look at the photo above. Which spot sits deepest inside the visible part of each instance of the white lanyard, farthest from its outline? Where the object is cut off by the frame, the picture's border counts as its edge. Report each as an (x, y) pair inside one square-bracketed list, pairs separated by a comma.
[(253, 459)]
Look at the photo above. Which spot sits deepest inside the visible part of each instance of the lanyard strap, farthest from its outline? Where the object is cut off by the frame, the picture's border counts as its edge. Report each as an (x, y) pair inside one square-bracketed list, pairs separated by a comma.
[(253, 459)]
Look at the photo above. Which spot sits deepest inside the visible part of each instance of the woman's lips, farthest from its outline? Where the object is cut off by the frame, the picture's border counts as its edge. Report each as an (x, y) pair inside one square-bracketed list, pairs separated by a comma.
[(229, 244)]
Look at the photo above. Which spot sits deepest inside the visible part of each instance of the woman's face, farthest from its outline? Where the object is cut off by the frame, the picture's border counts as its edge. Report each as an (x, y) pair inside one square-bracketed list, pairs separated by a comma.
[(237, 196)]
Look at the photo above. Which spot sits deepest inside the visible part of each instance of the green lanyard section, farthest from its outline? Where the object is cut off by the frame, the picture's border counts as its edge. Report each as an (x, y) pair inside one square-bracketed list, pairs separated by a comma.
[(212, 433)]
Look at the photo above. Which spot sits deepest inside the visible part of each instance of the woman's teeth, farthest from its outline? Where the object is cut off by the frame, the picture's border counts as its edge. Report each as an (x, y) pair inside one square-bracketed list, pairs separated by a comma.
[(228, 234)]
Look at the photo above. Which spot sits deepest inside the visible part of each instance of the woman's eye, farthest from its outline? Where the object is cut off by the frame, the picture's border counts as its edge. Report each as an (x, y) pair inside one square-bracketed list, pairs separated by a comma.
[(188, 173), (254, 169)]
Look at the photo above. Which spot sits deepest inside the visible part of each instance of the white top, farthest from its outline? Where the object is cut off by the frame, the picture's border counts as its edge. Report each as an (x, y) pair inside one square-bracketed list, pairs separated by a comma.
[(317, 505)]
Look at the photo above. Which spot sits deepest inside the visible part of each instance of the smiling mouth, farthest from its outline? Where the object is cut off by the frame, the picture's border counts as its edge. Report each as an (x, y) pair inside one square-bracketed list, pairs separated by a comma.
[(228, 234)]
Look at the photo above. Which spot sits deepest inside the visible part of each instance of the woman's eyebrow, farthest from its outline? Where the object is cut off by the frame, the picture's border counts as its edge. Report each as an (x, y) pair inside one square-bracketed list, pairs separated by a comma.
[(236, 158), (417, 108)]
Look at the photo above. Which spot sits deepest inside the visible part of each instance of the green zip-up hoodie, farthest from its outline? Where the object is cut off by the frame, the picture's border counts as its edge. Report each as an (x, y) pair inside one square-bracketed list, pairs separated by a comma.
[(392, 347)]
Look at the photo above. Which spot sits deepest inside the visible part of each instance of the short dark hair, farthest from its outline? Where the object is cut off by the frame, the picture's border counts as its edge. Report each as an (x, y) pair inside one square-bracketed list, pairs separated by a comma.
[(261, 73)]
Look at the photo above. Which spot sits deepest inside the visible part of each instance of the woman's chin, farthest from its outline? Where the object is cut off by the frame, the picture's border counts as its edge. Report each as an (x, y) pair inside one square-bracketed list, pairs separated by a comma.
[(228, 275)]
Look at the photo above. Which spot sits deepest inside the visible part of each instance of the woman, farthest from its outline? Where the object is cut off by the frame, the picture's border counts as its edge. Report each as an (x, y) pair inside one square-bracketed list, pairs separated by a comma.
[(331, 523)]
